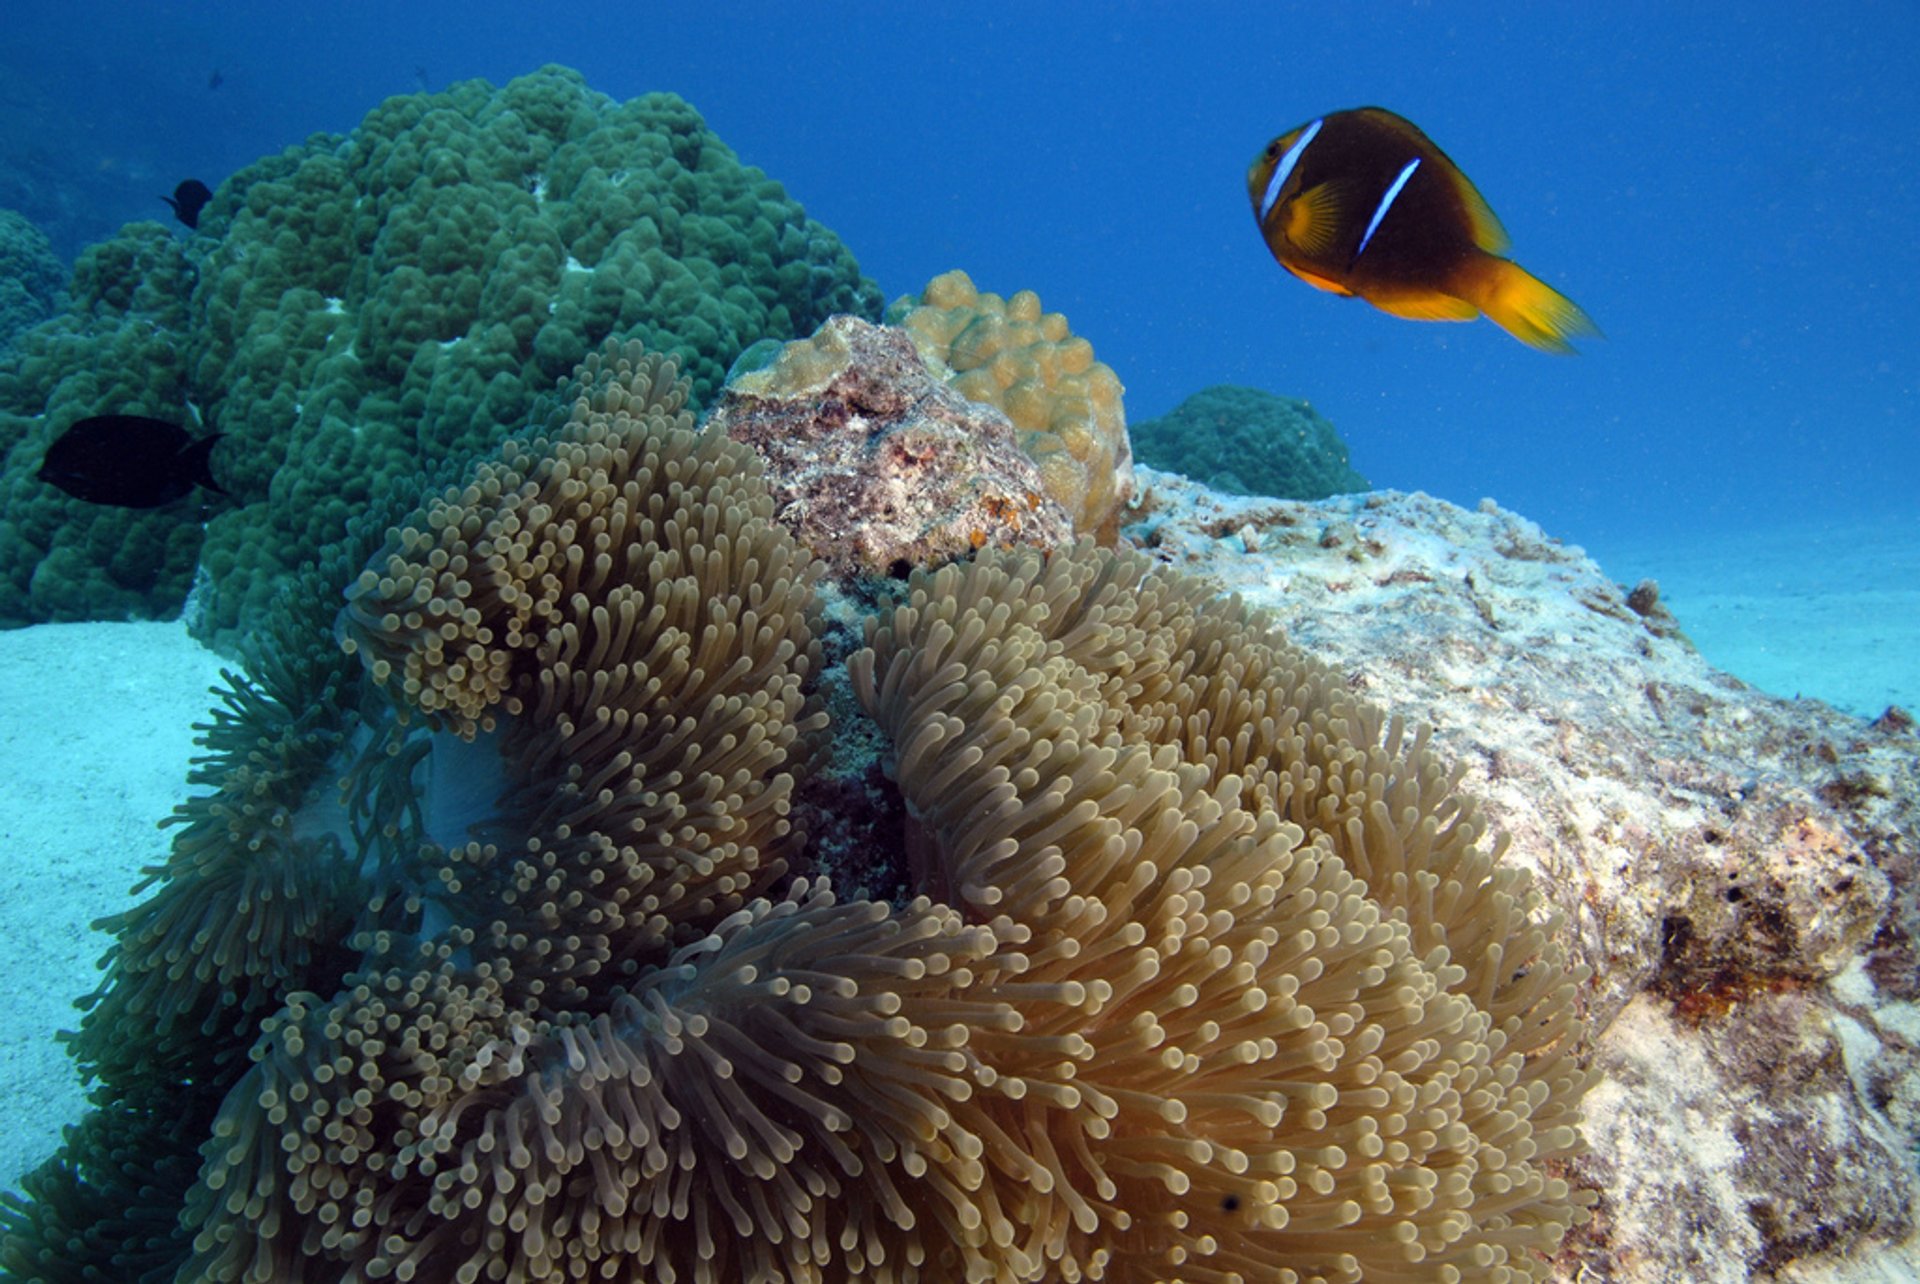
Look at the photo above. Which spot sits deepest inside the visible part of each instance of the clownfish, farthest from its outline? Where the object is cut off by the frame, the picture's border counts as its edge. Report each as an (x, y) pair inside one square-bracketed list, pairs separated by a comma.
[(1362, 203)]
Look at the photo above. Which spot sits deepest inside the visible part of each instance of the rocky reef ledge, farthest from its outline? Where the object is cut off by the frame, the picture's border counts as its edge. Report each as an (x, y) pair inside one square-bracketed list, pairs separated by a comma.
[(1739, 870)]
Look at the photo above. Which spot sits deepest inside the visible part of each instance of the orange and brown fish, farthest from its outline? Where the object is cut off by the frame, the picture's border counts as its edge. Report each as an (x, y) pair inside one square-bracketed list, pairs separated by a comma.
[(1362, 203)]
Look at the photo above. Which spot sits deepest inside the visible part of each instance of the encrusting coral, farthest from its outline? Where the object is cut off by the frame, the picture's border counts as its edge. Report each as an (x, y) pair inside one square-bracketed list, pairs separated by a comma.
[(1066, 405), (876, 463), (1203, 969)]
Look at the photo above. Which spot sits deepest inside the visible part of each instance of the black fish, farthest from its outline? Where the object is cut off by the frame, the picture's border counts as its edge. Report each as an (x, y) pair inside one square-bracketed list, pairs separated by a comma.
[(188, 200), (216, 79), (130, 461)]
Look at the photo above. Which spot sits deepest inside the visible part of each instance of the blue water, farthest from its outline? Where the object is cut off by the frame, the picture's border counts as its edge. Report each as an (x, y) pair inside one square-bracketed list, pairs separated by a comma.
[(1730, 191)]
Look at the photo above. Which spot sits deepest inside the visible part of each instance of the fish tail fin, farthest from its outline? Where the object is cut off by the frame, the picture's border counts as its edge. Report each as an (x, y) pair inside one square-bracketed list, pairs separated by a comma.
[(198, 458), (1526, 307)]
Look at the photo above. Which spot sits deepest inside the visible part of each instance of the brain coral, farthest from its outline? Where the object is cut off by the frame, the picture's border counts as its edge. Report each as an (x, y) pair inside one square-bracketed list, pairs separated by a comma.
[(1202, 969), (1248, 442), (1066, 405), (359, 307)]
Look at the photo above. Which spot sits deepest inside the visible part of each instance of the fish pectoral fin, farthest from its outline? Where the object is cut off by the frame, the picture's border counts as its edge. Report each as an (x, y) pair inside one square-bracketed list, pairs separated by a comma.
[(1482, 222), (1314, 216), (1428, 307)]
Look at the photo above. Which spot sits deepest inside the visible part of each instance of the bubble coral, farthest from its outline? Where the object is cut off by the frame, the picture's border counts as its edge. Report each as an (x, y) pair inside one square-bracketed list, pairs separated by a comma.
[(361, 307), (1203, 969), (32, 277), (1066, 405), (1246, 441)]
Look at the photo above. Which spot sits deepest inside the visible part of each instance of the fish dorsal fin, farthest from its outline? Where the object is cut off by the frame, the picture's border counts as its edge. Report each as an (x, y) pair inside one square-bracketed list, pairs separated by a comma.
[(1487, 232), (1314, 216), (1482, 223)]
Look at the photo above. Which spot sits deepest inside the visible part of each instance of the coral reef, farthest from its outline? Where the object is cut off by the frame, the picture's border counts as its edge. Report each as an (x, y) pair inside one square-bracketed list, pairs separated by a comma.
[(1750, 1125), (32, 277), (1243, 441), (360, 307), (1010, 354), (876, 465), (121, 345), (1202, 964)]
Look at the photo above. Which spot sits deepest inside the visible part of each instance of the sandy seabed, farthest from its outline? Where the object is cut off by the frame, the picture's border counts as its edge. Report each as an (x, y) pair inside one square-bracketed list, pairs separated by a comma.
[(96, 734), (1830, 611)]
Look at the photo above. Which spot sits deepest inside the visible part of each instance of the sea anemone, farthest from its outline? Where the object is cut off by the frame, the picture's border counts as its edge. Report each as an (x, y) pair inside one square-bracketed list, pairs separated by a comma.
[(1203, 969)]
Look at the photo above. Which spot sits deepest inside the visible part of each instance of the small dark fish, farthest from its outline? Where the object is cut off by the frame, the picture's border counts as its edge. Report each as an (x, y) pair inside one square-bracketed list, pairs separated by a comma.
[(216, 79), (188, 200), (129, 461), (1362, 203)]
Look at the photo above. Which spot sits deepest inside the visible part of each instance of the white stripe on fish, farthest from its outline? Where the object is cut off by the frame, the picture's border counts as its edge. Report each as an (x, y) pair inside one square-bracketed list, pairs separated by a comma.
[(1285, 167), (1386, 201)]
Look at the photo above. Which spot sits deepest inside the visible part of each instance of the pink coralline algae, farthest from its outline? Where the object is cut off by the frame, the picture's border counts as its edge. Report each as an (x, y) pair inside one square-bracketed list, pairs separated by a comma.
[(876, 464)]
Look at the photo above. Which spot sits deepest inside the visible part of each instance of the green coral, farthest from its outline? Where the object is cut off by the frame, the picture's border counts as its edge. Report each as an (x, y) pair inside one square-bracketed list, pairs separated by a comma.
[(31, 276), (1248, 442), (359, 308), (120, 345)]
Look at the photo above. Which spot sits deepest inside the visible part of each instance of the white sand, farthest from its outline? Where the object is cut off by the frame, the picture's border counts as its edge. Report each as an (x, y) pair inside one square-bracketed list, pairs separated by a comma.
[(95, 737), (1828, 611)]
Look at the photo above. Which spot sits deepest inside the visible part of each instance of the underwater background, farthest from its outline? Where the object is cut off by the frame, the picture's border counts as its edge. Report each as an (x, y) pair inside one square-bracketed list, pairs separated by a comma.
[(1729, 191)]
